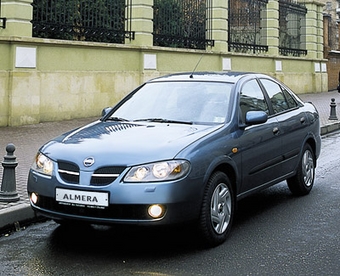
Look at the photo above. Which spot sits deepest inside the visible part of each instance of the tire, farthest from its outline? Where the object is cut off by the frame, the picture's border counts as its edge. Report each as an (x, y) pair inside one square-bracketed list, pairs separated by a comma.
[(302, 182), (217, 210)]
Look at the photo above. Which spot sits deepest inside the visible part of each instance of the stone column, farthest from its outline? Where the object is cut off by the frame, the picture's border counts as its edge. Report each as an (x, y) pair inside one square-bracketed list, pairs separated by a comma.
[(18, 14), (141, 23), (314, 29), (273, 27), (220, 25)]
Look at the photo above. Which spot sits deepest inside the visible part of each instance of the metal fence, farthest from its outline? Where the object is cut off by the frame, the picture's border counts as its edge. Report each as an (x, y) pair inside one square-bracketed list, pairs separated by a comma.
[(84, 20), (176, 23), (183, 23), (246, 25), (247, 19)]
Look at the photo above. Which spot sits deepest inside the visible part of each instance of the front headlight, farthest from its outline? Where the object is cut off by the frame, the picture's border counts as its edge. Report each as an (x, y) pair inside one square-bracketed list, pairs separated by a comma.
[(160, 171), (43, 164)]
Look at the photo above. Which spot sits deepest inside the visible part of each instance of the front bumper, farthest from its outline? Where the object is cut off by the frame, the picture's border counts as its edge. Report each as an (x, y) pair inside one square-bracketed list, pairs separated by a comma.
[(128, 203), (115, 213)]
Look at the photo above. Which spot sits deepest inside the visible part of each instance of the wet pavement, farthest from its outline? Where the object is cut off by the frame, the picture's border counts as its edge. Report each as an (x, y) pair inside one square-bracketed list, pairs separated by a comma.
[(28, 139)]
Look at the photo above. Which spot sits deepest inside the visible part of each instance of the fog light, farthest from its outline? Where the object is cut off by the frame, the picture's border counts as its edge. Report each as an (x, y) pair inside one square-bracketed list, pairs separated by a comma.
[(156, 211), (34, 198)]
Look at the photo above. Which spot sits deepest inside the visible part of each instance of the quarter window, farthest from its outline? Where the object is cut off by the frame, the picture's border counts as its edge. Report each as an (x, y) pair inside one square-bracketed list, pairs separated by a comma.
[(290, 100), (252, 99)]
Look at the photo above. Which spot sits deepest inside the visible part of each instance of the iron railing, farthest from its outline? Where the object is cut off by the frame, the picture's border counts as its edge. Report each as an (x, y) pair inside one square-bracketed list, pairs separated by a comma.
[(84, 20), (177, 23), (245, 26), (291, 19), (183, 23)]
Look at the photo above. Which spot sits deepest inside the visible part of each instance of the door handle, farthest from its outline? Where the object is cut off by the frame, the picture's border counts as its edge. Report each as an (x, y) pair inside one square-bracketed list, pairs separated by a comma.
[(302, 120), (275, 130)]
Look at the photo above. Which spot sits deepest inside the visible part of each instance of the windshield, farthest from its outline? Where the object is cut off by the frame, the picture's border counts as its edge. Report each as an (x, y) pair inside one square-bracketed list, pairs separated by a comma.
[(186, 102)]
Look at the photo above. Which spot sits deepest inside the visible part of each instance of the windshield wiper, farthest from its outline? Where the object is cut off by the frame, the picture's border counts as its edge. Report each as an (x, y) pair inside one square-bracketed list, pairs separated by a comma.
[(161, 120), (117, 119)]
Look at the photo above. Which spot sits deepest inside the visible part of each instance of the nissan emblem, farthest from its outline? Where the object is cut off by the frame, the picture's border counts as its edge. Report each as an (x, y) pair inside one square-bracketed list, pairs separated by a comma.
[(88, 162)]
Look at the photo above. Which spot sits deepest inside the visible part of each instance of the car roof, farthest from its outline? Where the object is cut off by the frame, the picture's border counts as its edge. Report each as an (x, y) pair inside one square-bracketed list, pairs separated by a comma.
[(231, 77)]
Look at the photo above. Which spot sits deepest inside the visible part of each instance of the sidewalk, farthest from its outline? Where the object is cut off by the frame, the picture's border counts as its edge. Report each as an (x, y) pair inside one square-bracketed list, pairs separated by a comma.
[(28, 139)]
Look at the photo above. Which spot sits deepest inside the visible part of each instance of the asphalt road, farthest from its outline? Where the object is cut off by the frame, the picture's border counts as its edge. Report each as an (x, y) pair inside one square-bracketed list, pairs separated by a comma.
[(274, 233)]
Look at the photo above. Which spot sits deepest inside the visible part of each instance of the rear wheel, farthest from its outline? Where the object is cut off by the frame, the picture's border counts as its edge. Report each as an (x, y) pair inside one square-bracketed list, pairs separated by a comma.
[(302, 183), (217, 210)]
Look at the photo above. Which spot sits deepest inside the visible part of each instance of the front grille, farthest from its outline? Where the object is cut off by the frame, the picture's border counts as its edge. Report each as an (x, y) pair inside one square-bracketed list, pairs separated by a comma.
[(106, 175), (69, 172)]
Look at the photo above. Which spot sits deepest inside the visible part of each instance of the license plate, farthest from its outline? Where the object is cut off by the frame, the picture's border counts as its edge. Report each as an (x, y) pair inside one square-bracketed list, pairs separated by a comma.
[(82, 197)]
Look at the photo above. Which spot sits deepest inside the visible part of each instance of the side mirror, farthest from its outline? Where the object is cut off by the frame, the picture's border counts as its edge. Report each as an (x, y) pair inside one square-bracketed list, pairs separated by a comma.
[(106, 111), (256, 117)]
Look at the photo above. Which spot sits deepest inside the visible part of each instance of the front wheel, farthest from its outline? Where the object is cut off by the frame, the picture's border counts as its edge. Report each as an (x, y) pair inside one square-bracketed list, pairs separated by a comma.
[(302, 182), (217, 210)]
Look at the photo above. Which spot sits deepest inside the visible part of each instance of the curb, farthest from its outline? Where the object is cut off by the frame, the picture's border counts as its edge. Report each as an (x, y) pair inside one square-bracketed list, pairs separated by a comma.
[(16, 215), (329, 128)]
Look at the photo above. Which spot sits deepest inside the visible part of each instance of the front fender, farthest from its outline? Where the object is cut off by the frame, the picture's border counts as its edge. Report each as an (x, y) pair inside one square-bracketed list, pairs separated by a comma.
[(227, 165)]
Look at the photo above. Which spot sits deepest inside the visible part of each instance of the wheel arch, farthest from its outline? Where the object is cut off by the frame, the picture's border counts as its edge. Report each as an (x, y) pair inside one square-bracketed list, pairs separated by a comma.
[(311, 141), (231, 173)]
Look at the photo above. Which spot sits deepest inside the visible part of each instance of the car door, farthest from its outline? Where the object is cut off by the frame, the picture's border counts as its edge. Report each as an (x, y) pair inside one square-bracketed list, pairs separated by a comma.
[(259, 145), (292, 123)]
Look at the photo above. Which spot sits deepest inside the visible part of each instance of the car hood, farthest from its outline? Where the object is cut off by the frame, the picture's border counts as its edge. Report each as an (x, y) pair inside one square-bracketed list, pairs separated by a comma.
[(123, 143)]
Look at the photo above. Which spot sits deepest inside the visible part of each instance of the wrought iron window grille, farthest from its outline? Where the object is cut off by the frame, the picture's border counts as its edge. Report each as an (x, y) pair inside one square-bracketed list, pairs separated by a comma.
[(247, 48), (292, 52), (246, 26), (183, 23), (291, 17), (83, 20)]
